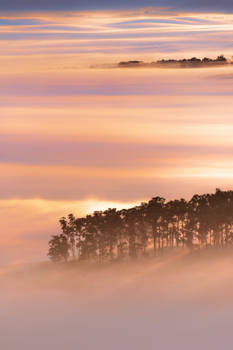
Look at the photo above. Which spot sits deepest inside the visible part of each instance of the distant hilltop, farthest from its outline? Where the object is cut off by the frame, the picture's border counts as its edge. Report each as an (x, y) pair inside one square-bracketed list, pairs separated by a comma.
[(183, 63)]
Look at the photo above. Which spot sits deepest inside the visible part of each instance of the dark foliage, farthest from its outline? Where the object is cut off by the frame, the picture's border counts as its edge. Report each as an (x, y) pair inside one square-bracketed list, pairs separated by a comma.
[(195, 60), (185, 62), (110, 235)]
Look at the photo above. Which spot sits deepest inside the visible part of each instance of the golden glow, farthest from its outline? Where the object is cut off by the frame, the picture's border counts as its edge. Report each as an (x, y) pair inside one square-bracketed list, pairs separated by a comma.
[(78, 139)]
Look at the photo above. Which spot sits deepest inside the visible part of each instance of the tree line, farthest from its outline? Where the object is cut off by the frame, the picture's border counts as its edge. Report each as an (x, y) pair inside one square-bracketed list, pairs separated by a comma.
[(219, 59), (194, 61), (106, 236)]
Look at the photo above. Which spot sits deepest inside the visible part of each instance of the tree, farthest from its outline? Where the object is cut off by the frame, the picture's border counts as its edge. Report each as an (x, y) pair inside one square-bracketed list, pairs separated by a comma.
[(221, 58), (104, 236), (59, 248), (153, 215)]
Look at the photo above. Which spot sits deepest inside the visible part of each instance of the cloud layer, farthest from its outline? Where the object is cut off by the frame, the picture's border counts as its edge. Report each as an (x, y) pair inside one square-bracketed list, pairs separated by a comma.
[(71, 5), (75, 138)]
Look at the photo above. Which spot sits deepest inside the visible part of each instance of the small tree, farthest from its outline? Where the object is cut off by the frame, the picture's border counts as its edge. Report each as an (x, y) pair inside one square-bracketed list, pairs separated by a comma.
[(221, 58), (59, 248)]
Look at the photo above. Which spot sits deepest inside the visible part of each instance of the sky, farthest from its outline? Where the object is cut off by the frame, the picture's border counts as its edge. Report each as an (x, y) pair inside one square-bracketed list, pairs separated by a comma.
[(78, 134), (74, 5)]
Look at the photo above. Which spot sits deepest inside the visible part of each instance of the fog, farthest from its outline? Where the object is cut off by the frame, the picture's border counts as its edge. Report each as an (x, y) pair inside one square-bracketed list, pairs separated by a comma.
[(181, 300)]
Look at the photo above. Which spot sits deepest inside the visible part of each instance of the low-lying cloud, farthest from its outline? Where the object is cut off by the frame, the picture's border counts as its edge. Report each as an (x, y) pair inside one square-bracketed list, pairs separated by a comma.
[(130, 305)]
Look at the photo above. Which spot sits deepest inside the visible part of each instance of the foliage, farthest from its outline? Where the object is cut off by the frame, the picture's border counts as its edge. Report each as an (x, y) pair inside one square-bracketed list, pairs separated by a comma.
[(206, 220), (184, 62)]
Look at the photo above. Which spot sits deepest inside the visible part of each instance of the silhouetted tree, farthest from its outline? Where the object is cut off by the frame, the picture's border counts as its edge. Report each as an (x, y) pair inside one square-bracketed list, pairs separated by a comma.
[(59, 248), (204, 221)]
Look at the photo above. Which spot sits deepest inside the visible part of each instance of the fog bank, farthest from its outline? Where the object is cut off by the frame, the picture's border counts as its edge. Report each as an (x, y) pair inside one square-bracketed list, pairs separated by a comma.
[(181, 300)]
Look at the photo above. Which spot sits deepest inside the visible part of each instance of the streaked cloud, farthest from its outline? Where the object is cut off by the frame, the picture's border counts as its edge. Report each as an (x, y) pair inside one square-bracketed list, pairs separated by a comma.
[(152, 31), (18, 22), (75, 138), (60, 5)]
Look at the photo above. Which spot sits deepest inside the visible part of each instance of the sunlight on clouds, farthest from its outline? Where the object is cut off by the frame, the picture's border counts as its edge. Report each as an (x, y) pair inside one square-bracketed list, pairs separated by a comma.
[(23, 244), (79, 139), (94, 205), (93, 32)]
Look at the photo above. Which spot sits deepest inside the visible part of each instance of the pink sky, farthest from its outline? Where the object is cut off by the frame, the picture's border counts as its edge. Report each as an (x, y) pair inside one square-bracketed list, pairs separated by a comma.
[(75, 138)]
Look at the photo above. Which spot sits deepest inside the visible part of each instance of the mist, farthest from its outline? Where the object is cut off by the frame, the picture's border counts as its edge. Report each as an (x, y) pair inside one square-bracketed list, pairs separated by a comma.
[(181, 300)]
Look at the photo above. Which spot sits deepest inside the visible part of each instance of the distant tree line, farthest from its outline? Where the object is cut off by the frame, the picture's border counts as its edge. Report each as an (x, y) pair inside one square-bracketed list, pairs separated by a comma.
[(194, 61), (105, 236), (219, 59)]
